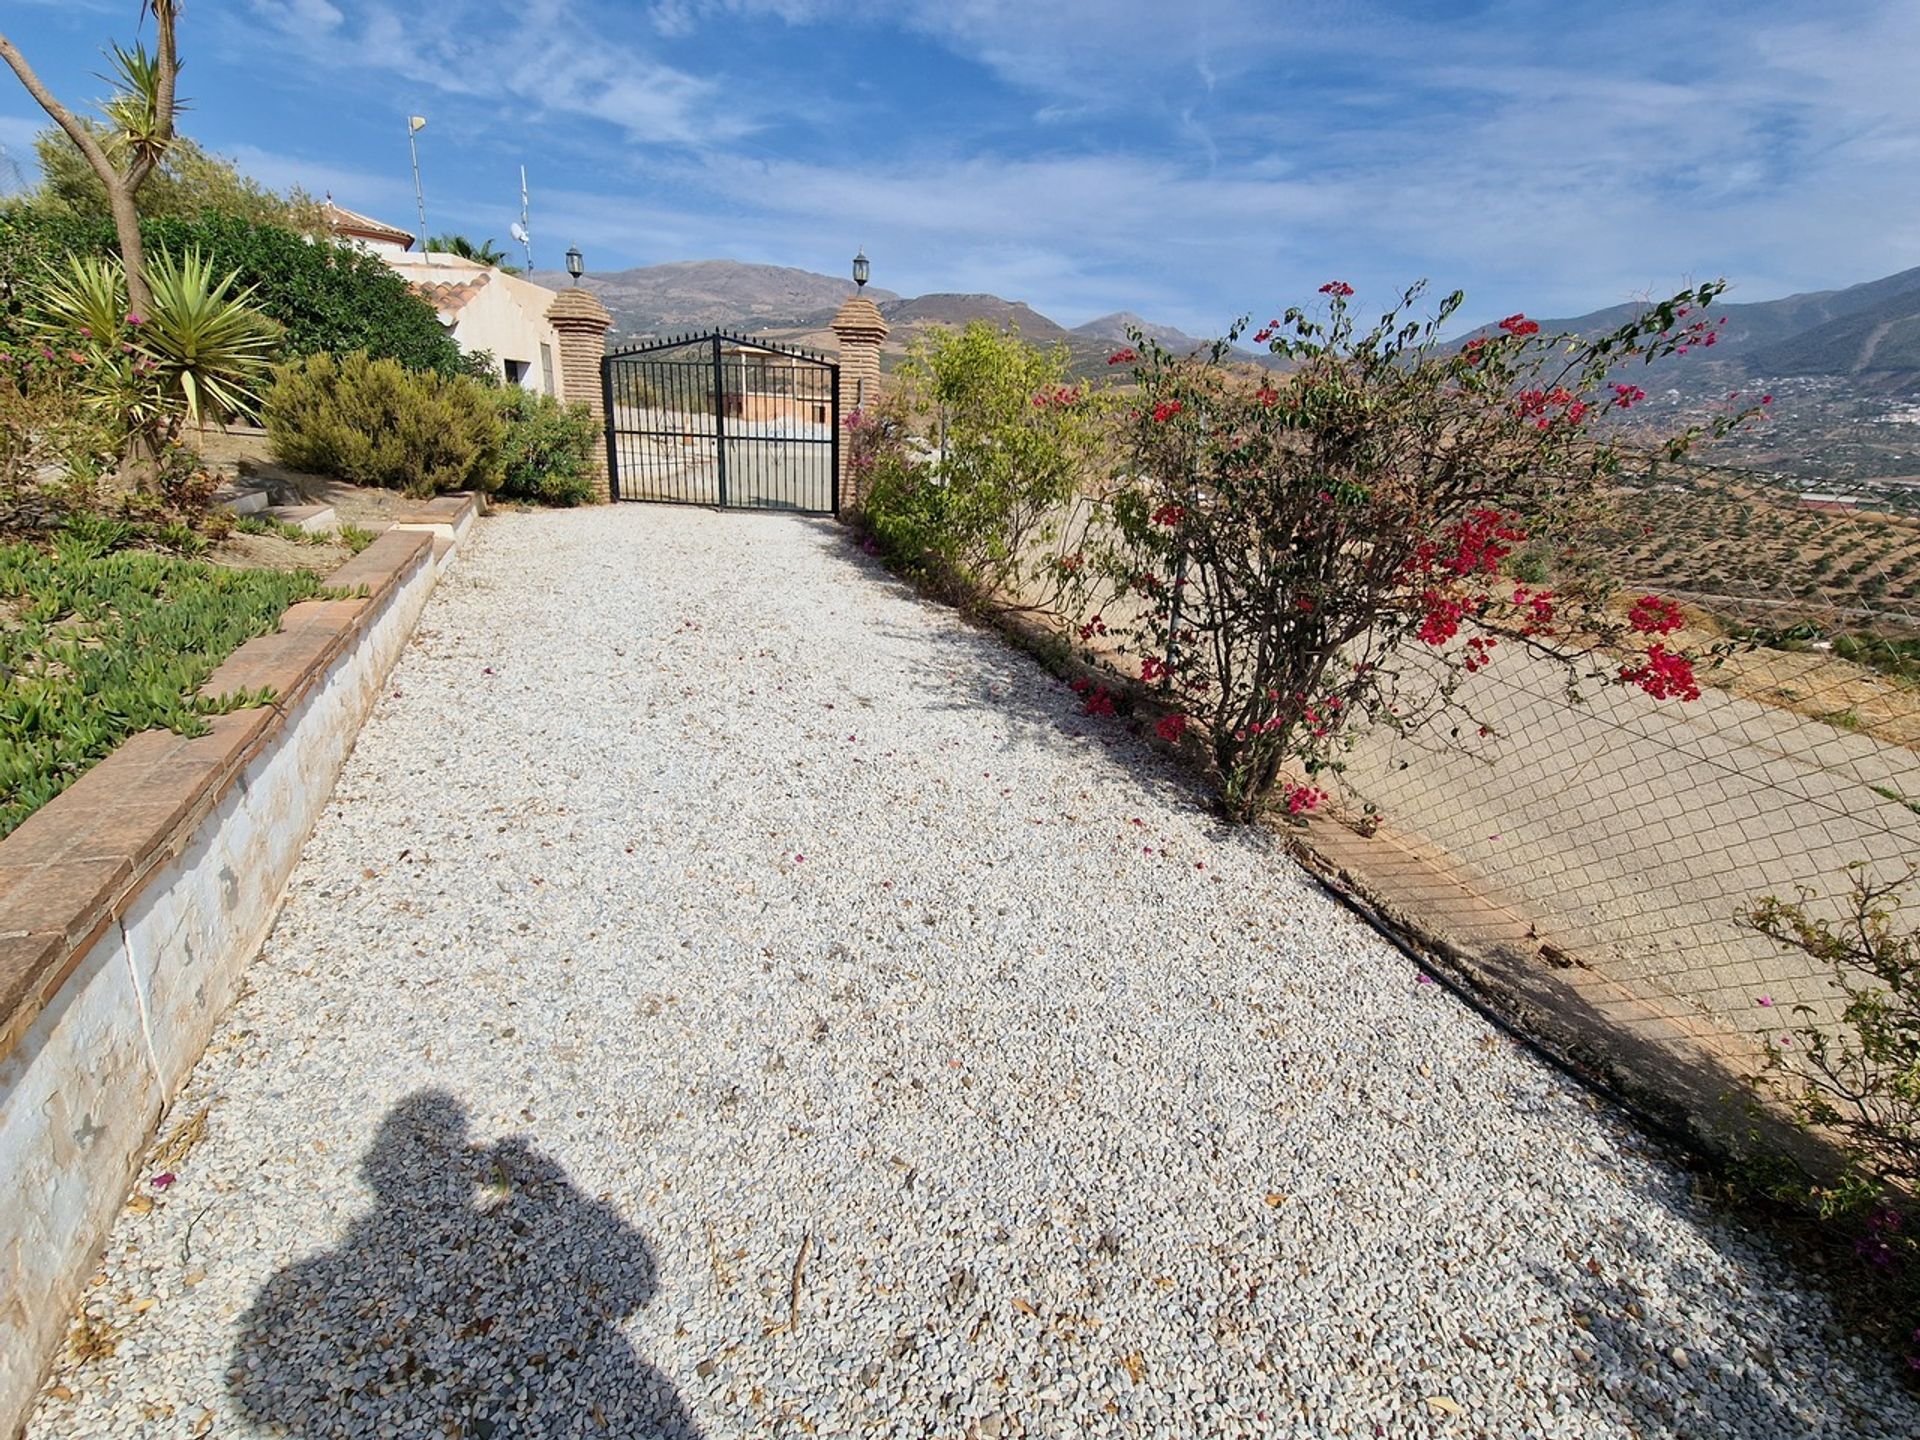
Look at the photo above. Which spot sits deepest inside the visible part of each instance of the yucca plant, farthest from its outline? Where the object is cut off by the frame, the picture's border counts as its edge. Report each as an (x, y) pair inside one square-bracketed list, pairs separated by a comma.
[(199, 353), (210, 347)]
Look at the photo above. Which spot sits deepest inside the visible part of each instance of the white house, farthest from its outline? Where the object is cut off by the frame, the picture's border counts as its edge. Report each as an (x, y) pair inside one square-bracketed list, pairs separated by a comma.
[(483, 308)]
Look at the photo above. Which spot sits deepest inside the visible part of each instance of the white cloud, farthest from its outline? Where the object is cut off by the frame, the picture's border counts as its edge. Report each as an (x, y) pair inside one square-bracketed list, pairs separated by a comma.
[(535, 59)]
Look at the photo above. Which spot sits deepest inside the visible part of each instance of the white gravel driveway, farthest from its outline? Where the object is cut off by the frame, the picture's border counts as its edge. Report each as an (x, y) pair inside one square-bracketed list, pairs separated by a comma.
[(730, 997)]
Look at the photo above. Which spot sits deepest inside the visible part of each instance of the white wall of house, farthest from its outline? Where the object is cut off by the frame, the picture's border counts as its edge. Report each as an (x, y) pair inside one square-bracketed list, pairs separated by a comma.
[(507, 316)]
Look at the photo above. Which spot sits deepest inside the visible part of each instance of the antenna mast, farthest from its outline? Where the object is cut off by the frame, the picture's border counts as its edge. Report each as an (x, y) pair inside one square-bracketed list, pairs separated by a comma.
[(525, 237)]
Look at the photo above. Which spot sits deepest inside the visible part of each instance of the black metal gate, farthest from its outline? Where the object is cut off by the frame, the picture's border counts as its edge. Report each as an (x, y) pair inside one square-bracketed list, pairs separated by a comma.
[(721, 419)]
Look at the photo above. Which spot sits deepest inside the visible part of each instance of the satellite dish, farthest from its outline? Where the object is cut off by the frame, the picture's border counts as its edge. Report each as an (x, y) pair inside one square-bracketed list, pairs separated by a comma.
[(518, 231)]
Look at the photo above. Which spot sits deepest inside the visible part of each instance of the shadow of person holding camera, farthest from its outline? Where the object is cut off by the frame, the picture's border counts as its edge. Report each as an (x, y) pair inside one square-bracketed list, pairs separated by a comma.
[(482, 1296)]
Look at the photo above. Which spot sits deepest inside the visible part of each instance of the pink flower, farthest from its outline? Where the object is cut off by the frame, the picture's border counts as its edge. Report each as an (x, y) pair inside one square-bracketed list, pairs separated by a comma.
[(161, 1182), (1123, 356), (133, 319), (1171, 727), (1766, 1000), (1339, 289), (1423, 980)]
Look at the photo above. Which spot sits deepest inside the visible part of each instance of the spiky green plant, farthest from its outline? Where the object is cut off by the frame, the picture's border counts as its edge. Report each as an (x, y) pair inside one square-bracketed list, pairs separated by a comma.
[(200, 352)]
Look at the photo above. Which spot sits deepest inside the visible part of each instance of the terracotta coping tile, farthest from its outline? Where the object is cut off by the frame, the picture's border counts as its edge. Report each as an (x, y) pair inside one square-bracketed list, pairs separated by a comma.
[(288, 660), (440, 510), (65, 898), (382, 564), (31, 973)]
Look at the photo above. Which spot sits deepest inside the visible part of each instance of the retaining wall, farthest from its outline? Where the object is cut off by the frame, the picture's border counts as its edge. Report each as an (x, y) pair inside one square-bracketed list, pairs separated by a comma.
[(131, 904)]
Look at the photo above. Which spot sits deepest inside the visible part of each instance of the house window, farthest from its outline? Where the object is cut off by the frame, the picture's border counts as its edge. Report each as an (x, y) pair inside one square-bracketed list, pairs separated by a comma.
[(517, 372), (546, 367)]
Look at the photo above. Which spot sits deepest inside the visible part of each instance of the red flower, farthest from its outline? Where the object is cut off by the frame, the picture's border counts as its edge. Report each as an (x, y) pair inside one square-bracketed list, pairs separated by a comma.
[(1123, 356), (1627, 396), (1152, 669), (1166, 410), (1099, 702), (1169, 515), (1518, 324), (1267, 396), (1302, 797), (1663, 674), (1170, 728), (1652, 615), (1339, 289)]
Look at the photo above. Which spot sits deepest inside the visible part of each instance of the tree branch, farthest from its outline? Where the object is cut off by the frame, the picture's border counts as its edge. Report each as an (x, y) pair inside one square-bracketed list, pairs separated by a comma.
[(76, 131)]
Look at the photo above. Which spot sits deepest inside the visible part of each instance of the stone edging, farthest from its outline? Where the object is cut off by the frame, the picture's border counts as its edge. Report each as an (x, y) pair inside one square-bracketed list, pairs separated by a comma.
[(131, 903)]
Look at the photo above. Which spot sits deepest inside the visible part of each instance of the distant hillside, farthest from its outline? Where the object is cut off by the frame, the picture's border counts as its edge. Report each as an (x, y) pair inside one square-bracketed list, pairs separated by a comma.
[(1822, 332), (1114, 328), (1884, 339), (958, 310), (701, 294)]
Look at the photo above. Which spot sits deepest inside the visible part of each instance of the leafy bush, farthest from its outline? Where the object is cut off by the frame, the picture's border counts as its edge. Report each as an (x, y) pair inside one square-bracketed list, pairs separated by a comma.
[(1015, 442), (550, 448), (372, 422), (325, 297), (187, 181), (106, 643), (1861, 1082)]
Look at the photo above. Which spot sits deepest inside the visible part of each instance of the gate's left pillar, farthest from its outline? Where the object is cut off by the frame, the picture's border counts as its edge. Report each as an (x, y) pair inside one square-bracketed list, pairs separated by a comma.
[(582, 322)]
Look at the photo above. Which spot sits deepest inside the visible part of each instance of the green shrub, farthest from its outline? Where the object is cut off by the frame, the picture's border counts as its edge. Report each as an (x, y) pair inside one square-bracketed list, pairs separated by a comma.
[(550, 448), (1858, 1081), (1015, 441), (326, 297), (372, 422), (107, 642)]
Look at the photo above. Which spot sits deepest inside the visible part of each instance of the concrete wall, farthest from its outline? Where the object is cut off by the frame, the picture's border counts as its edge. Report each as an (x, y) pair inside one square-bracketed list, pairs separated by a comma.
[(130, 907)]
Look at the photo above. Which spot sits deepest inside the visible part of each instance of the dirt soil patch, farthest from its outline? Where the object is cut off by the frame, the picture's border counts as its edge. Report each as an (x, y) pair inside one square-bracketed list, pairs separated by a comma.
[(242, 453)]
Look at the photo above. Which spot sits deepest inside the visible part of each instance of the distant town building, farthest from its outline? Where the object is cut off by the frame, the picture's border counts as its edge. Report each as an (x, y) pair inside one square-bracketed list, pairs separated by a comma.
[(1833, 504)]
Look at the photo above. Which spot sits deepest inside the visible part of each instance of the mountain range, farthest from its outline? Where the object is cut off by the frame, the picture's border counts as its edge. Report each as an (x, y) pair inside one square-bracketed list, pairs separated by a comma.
[(1870, 332), (796, 306)]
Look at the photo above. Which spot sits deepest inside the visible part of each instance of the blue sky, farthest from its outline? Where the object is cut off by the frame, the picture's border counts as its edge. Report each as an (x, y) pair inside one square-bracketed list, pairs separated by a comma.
[(1190, 160)]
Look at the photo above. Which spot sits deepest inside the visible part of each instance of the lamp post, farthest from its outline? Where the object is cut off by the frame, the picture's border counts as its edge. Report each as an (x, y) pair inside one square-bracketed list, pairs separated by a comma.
[(861, 269), (576, 263)]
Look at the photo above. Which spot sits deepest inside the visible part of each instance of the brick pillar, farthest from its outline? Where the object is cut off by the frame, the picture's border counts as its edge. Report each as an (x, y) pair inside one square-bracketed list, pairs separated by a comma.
[(582, 322), (860, 329)]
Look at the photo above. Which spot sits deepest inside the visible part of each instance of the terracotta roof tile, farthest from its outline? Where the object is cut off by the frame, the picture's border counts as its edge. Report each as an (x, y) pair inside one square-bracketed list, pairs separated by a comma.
[(342, 221), (449, 297)]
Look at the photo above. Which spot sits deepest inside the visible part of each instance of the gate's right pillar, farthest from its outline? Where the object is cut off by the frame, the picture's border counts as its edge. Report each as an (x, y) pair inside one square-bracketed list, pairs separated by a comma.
[(581, 322), (860, 329)]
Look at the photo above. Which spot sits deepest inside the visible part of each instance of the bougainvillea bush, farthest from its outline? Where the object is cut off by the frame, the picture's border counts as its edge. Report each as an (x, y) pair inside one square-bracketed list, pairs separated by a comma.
[(1280, 541)]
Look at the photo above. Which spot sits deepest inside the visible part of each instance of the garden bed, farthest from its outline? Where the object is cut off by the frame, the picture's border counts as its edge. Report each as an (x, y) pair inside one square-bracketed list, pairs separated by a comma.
[(96, 647)]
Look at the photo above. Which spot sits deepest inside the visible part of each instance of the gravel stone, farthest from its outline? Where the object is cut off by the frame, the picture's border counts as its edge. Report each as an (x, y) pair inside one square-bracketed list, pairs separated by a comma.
[(726, 995)]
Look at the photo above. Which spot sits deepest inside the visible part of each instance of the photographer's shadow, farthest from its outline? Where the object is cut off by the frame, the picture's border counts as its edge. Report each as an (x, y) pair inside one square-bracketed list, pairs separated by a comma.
[(482, 1296)]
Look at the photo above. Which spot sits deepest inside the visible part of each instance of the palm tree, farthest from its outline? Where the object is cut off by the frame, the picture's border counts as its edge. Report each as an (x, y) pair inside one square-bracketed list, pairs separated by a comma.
[(485, 253)]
